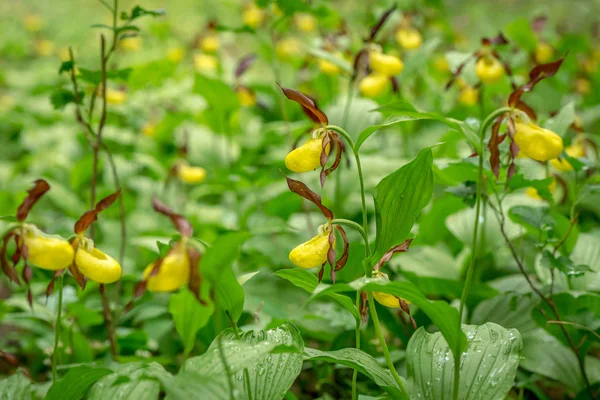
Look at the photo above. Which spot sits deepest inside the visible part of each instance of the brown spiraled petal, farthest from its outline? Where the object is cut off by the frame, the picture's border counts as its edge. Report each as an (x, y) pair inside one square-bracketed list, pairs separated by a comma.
[(332, 275), (181, 223), (338, 157), (331, 251), (33, 195), (321, 272), (399, 248), (526, 109), (307, 103), (493, 146), (364, 308), (384, 17), (10, 358), (406, 309), (19, 251), (341, 262), (537, 74), (361, 57), (497, 40), (303, 190), (29, 297), (324, 158), (50, 288), (128, 307), (27, 273), (195, 282), (77, 275), (140, 288), (511, 171), (90, 216), (8, 269), (245, 63)]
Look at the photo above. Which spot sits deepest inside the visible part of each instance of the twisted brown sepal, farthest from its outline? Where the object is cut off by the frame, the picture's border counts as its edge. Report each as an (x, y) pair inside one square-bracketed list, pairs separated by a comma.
[(493, 144), (303, 190), (377, 27), (537, 74), (341, 262), (8, 269), (50, 287), (90, 216), (34, 194), (331, 255), (181, 223), (195, 282), (27, 274), (77, 275), (399, 248), (308, 104), (333, 140), (361, 59), (497, 40), (514, 149), (364, 307), (406, 309), (243, 65)]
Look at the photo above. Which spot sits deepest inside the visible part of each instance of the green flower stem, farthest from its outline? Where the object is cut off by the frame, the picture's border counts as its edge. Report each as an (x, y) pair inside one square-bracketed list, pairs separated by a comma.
[(57, 328), (352, 224), (469, 278), (365, 234)]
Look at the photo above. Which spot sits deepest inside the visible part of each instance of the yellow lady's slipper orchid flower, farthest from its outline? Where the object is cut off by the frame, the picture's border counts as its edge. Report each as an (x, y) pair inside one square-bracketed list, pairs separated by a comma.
[(533, 193), (489, 69), (33, 23), (47, 252), (306, 157), (409, 38), (384, 64), (44, 48), (386, 299), (205, 62), (305, 22), (440, 63), (288, 48), (373, 85), (210, 43), (314, 252), (468, 96), (97, 265), (537, 143), (174, 272), (253, 16), (191, 175), (328, 68), (246, 96), (575, 150), (115, 97), (132, 43), (543, 53), (175, 54)]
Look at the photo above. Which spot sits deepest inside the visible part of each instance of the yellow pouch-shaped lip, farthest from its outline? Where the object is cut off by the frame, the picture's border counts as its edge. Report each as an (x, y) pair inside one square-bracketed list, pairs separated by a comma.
[(328, 68), (97, 266), (174, 272), (537, 143), (191, 175), (468, 96), (48, 253), (210, 43), (306, 157), (385, 64), (409, 38), (373, 85), (489, 69), (388, 300), (312, 253), (205, 62)]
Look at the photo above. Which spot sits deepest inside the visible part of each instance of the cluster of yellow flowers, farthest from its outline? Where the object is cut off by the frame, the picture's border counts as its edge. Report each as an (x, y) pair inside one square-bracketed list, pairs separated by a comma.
[(383, 67)]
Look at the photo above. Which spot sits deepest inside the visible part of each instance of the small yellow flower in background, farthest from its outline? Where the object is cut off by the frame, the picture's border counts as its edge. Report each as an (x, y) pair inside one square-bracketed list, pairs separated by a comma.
[(47, 252), (409, 38), (132, 43), (44, 48), (314, 252), (173, 273), (288, 48), (373, 85), (190, 175), (468, 96), (384, 64), (537, 143), (175, 54), (205, 63), (97, 265), (246, 96), (543, 53), (328, 68), (440, 63), (149, 129), (489, 69), (308, 156), (582, 86), (115, 97), (575, 150), (533, 193), (305, 22), (210, 43), (253, 16), (33, 23)]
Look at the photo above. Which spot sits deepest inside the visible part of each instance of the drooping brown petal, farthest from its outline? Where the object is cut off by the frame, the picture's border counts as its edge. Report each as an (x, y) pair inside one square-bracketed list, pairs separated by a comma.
[(384, 17), (34, 194), (331, 251), (181, 223), (493, 146), (364, 308), (320, 275), (338, 158), (395, 84), (324, 157), (18, 251), (307, 103), (195, 283), (360, 59), (537, 74), (90, 216), (303, 190), (244, 64), (527, 110), (406, 309), (514, 149), (341, 262), (50, 287), (9, 270), (399, 248), (27, 274), (497, 40), (74, 269)]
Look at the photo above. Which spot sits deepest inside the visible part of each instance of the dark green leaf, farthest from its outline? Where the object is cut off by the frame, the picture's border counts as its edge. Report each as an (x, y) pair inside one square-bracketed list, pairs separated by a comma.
[(189, 315), (95, 77), (61, 97), (76, 383), (66, 66)]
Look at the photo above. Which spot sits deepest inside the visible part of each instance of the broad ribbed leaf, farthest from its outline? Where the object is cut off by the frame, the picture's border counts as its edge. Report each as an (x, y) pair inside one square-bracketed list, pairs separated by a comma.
[(129, 381), (76, 383), (16, 386), (189, 315)]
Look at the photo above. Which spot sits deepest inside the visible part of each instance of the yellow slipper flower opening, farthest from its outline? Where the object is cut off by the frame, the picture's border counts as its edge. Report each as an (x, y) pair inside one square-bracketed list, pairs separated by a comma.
[(205, 62), (48, 252), (305, 22), (489, 69), (373, 85), (173, 273), (543, 53), (575, 150), (468, 96), (537, 143), (314, 252), (308, 156), (384, 64), (409, 38), (191, 175), (253, 16), (115, 97), (386, 299), (97, 265), (210, 43)]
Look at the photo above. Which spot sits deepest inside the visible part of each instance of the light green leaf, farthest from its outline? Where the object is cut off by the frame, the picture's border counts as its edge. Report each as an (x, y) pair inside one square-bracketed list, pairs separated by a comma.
[(16, 386), (408, 116), (399, 198), (488, 366), (129, 381), (560, 123), (189, 315), (520, 33), (76, 382), (246, 277), (217, 94)]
